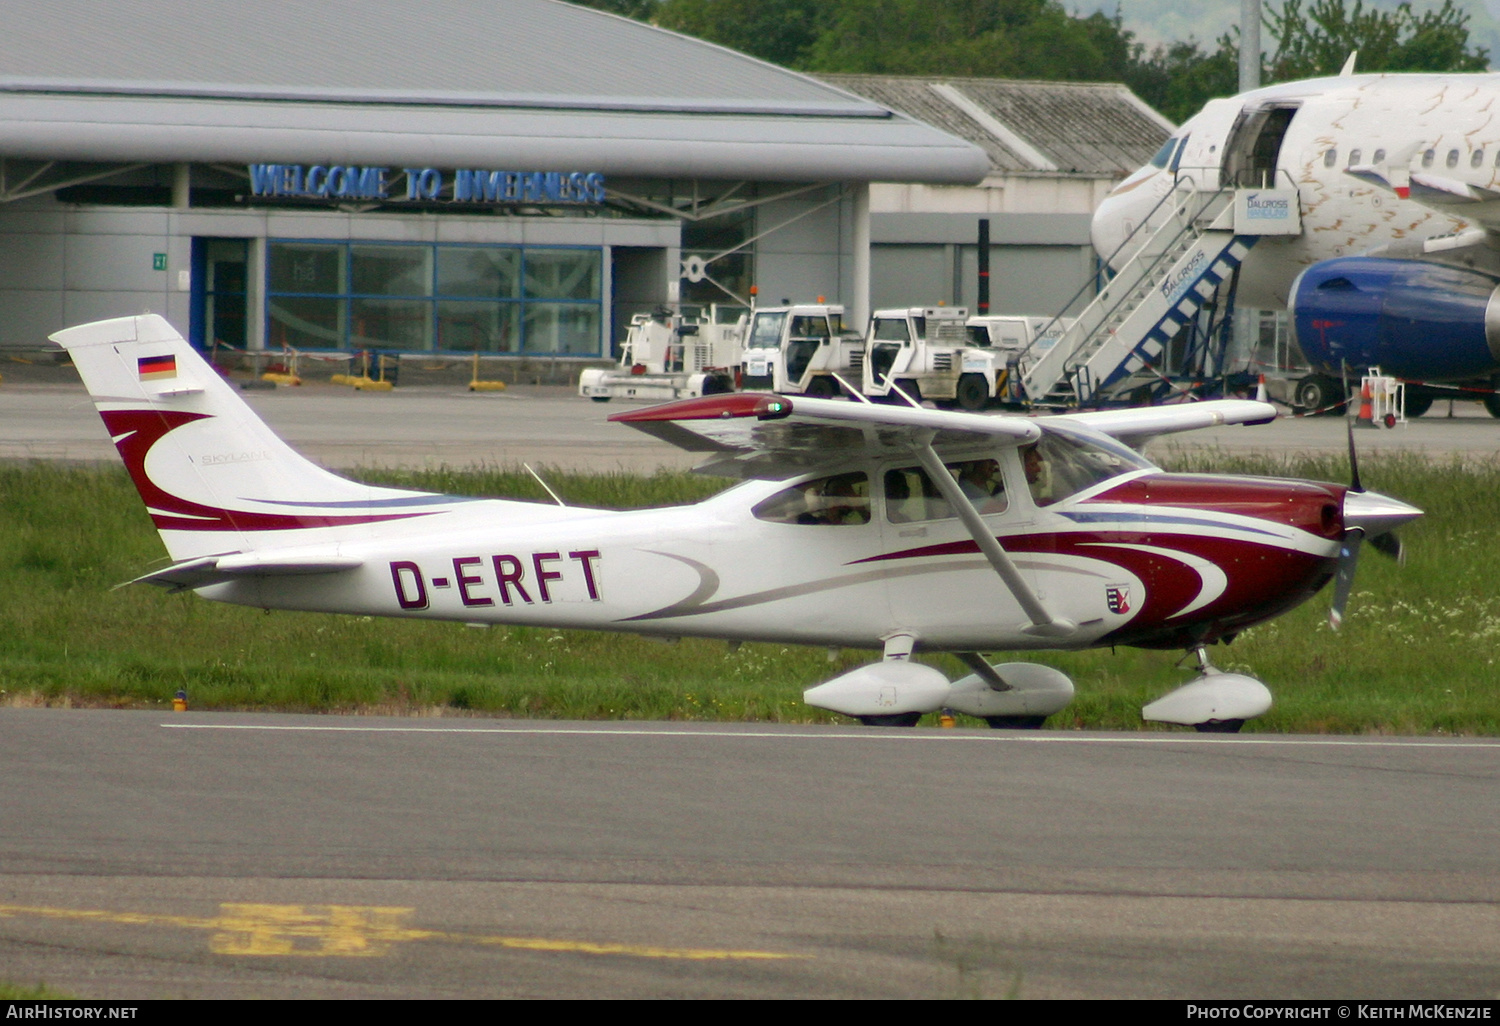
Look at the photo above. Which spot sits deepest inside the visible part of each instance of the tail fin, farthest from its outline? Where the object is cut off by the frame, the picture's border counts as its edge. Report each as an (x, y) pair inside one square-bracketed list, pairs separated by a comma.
[(212, 474)]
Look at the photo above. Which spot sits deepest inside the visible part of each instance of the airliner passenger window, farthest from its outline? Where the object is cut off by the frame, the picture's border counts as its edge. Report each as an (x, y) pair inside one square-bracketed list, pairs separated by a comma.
[(1476, 158), (1354, 156), (839, 501), (1379, 157), (1453, 158), (1427, 158), (1330, 158)]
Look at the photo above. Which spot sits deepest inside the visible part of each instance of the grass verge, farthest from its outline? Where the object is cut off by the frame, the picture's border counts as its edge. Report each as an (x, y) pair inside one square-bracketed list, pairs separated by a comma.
[(1416, 654)]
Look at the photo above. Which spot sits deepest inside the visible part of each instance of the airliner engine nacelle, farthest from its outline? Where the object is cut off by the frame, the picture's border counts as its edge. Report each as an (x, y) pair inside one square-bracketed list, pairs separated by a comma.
[(1423, 321)]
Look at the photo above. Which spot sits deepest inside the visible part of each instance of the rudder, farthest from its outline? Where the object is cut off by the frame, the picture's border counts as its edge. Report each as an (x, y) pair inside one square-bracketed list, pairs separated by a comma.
[(213, 475)]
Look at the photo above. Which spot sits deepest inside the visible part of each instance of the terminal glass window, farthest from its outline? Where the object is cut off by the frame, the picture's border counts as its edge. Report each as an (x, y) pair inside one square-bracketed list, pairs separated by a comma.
[(545, 300)]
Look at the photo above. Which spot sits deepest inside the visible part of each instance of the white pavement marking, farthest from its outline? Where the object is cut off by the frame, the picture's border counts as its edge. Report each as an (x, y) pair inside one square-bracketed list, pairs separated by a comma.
[(915, 736)]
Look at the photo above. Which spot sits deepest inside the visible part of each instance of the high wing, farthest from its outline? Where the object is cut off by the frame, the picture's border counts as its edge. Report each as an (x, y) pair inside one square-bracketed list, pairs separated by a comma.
[(1136, 426), (749, 434), (760, 435)]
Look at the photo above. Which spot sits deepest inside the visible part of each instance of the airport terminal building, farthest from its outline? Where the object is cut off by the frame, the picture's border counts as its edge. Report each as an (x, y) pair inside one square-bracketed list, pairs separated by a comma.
[(507, 177)]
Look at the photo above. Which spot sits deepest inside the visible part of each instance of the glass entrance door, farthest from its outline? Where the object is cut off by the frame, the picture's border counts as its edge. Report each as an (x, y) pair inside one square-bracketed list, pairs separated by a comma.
[(220, 293)]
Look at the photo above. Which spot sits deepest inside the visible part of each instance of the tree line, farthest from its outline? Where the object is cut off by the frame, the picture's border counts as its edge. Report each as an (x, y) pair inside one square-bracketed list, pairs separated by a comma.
[(1039, 39)]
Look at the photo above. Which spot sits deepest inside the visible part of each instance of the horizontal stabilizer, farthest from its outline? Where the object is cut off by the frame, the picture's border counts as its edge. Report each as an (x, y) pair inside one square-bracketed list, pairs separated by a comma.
[(206, 570)]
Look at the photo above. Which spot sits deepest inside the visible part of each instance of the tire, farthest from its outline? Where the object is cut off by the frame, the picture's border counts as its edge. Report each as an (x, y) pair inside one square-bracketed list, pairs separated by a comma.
[(1492, 401), (717, 386), (1015, 722), (973, 392), (600, 398), (1219, 727), (894, 720), (823, 388), (1318, 394), (1417, 405)]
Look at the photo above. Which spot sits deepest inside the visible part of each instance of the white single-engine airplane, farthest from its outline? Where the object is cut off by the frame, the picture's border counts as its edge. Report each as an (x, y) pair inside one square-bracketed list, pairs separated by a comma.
[(854, 525), (1397, 177)]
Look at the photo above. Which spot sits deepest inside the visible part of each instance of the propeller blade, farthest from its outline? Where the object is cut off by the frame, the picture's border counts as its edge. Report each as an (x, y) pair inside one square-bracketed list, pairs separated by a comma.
[(1354, 485), (1390, 546), (1344, 579)]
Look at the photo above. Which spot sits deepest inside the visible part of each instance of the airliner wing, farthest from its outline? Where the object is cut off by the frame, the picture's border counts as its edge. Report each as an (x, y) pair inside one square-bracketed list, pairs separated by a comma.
[(1447, 194)]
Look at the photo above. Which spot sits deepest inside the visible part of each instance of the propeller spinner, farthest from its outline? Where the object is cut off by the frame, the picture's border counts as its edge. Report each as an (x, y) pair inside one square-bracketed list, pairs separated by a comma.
[(1366, 515)]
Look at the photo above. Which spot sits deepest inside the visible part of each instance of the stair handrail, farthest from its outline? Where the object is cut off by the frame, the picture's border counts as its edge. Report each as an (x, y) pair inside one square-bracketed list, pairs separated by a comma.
[(1184, 196), (1187, 224)]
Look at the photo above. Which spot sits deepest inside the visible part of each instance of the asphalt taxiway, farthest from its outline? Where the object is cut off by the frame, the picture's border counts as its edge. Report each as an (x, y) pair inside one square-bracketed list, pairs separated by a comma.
[(159, 855), (182, 855), (431, 426)]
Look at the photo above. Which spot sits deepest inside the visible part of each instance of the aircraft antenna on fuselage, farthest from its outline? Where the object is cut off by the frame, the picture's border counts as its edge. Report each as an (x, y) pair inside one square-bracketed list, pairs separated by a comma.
[(544, 485)]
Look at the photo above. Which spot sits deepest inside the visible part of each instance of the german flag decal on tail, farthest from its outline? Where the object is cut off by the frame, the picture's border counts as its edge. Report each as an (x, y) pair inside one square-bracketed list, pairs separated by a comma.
[(157, 368)]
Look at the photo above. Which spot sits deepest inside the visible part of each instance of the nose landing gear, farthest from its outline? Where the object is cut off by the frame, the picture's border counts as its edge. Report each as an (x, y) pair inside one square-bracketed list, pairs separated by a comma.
[(1214, 702)]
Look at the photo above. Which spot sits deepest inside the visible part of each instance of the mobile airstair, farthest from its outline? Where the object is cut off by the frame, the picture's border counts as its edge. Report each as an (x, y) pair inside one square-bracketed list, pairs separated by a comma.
[(1200, 238)]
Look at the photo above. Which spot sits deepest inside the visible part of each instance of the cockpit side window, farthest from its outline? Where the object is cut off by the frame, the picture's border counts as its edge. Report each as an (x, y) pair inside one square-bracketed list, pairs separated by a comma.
[(842, 500), (891, 329), (910, 494)]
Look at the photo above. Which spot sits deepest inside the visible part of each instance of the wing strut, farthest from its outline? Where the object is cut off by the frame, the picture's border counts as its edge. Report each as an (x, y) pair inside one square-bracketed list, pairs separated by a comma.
[(1043, 623)]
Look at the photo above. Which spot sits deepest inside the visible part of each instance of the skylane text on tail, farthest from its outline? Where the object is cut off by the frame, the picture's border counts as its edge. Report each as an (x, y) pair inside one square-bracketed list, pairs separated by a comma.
[(857, 525)]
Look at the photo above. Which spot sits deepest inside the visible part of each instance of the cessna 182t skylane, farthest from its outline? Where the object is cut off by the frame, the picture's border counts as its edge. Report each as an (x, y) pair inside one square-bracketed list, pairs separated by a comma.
[(1397, 261), (899, 529)]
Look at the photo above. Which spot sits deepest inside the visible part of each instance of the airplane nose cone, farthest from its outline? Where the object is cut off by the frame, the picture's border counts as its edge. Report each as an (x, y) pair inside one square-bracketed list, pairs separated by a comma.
[(1376, 514)]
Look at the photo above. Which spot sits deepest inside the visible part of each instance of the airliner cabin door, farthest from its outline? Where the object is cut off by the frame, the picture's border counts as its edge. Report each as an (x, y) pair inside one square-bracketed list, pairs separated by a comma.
[(1254, 145)]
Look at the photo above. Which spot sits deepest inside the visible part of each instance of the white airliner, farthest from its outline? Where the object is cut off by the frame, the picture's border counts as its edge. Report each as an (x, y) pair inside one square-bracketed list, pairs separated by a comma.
[(899, 529), (1398, 181)]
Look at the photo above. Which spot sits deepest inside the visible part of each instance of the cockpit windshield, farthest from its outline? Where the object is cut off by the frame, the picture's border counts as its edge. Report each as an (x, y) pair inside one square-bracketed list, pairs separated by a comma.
[(1063, 463), (1164, 154)]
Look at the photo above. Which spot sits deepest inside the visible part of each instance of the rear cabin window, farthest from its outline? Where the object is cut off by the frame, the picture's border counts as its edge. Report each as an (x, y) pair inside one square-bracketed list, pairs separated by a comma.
[(842, 500), (809, 327)]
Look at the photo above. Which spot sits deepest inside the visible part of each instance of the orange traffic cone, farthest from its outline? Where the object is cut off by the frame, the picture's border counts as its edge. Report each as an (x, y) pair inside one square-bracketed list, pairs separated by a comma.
[(1366, 407), (1260, 389)]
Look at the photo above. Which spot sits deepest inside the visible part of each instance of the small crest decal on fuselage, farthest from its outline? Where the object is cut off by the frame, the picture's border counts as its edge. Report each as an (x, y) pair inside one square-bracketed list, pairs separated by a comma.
[(1117, 597)]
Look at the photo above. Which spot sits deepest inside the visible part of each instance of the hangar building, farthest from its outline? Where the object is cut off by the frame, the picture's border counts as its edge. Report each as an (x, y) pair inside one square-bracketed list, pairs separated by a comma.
[(1055, 150), (495, 176)]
